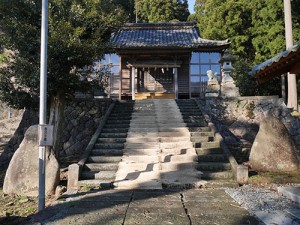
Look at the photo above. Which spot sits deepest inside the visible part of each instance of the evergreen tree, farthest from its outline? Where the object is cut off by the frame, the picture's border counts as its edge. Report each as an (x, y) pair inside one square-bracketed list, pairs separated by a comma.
[(256, 30), (218, 19), (162, 10), (78, 32)]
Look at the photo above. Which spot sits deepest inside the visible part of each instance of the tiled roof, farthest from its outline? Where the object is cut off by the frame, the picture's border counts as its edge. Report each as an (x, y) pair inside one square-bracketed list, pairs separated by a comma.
[(162, 35), (278, 65)]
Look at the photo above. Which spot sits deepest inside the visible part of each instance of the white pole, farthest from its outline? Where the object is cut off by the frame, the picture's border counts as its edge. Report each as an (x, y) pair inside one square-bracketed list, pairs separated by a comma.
[(292, 86), (43, 100)]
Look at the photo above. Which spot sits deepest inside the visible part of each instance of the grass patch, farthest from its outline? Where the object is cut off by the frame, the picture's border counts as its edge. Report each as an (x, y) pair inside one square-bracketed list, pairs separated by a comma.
[(295, 114), (275, 178), (15, 209)]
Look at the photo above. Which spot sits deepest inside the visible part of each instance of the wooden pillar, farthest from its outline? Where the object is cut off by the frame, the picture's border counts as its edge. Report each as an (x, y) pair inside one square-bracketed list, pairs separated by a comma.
[(133, 82), (175, 71), (120, 85)]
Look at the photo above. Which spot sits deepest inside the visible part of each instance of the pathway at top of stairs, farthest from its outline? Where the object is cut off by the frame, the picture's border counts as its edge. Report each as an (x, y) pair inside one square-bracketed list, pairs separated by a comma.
[(158, 152)]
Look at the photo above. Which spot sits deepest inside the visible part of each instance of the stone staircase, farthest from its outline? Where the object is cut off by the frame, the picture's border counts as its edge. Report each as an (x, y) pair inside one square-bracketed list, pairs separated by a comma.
[(155, 144), (158, 152), (212, 161), (102, 164)]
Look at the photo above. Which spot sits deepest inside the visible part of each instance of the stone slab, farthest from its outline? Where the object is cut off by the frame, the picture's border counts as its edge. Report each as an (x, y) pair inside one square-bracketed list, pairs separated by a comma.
[(292, 193), (275, 217)]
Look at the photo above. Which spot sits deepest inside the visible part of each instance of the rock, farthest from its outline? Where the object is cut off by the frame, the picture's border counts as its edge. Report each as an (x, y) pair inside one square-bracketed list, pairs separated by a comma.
[(22, 174), (273, 149)]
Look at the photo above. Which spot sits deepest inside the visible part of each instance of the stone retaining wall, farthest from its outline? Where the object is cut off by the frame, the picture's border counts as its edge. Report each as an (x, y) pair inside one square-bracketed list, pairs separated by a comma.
[(82, 117), (238, 119)]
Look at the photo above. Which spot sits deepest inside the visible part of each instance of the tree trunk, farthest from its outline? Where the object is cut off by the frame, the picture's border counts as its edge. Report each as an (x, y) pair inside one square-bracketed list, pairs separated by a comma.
[(57, 120)]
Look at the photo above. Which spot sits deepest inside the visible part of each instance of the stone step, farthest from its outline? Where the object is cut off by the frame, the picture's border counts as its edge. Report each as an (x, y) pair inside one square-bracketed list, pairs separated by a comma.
[(115, 130), (213, 166), (202, 139), (107, 152), (179, 145), (109, 145), (116, 126), (193, 124), (202, 134), (182, 159), (145, 139), (96, 167), (212, 144), (104, 159), (141, 145), (105, 175), (120, 115), (212, 158), (209, 151), (111, 140), (113, 135), (212, 175), (109, 121), (185, 134), (199, 129), (105, 184), (176, 151), (193, 118)]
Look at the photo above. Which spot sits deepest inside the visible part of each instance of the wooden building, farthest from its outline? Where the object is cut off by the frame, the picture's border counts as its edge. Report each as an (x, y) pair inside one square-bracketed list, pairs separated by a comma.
[(286, 61), (161, 60)]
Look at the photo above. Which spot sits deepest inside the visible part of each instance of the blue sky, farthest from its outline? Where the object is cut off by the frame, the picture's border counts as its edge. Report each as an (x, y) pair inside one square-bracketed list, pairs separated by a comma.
[(191, 5)]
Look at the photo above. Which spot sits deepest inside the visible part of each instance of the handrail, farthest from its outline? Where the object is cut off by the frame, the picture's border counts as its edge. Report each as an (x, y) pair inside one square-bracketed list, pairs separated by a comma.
[(93, 140)]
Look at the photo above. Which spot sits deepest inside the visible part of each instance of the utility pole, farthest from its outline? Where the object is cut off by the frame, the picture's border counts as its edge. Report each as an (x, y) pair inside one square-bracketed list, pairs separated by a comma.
[(292, 83), (136, 12), (43, 101)]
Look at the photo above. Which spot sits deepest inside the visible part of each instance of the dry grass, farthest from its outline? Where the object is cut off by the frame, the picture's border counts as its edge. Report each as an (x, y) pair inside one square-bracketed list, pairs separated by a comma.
[(15, 209), (274, 178)]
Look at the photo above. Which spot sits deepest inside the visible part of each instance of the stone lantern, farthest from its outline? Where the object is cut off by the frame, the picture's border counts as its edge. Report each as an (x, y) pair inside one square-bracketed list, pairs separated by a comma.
[(228, 88)]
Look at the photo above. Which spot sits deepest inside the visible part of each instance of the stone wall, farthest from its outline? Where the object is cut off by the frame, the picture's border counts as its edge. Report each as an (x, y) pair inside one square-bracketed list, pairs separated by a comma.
[(238, 120), (82, 117)]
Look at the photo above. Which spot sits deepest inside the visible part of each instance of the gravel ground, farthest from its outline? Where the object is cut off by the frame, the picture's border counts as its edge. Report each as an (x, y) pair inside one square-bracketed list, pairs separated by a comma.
[(260, 198)]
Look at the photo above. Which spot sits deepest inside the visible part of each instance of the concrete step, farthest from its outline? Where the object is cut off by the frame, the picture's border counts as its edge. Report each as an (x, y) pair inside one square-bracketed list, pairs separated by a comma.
[(111, 140), (199, 129), (96, 167), (144, 139), (115, 130), (113, 135), (104, 159), (202, 134), (120, 115), (202, 139), (212, 144), (193, 118), (176, 151), (213, 166), (212, 175), (109, 145), (209, 151), (116, 126), (212, 158), (193, 123), (178, 145), (107, 152), (182, 159), (105, 184), (145, 145), (119, 121), (105, 175)]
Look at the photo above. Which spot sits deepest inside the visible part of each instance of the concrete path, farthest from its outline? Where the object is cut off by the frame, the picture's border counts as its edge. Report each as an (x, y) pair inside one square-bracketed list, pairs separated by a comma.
[(147, 207), (158, 152)]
